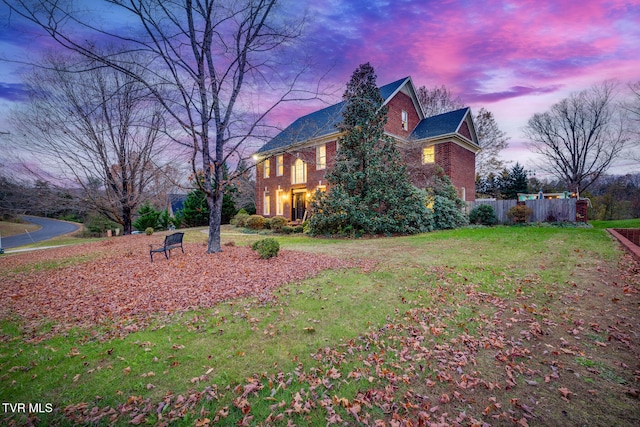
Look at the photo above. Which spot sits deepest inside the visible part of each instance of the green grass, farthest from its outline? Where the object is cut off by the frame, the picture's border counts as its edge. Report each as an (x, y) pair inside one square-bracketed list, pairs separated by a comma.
[(247, 338), (623, 223)]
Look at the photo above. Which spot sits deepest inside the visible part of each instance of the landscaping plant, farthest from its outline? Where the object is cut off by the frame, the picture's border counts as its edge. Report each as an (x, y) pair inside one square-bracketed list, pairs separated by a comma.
[(266, 248)]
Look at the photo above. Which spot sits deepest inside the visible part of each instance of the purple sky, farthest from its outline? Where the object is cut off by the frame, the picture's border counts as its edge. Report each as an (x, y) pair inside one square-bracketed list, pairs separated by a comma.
[(514, 58)]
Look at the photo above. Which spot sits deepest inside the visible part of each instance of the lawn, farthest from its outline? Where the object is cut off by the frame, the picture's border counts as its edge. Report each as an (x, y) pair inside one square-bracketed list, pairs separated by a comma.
[(501, 326)]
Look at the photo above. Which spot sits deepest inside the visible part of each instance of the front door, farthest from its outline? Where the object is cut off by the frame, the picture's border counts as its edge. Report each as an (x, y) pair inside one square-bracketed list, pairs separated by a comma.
[(299, 206)]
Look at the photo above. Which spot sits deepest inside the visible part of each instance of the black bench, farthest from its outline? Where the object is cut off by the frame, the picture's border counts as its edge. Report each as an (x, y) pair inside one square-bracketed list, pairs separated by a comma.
[(172, 241)]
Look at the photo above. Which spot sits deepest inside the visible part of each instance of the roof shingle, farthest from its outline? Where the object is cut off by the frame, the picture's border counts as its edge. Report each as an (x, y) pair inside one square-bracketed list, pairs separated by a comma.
[(442, 124), (319, 123)]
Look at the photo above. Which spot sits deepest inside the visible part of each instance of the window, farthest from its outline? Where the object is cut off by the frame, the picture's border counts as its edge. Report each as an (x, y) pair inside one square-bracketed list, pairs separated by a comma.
[(280, 202), (299, 172), (405, 120), (267, 168), (280, 165), (267, 204), (321, 157), (428, 154)]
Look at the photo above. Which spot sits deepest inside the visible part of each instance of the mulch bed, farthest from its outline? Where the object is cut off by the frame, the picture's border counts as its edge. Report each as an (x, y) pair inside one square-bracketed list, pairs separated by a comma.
[(119, 282)]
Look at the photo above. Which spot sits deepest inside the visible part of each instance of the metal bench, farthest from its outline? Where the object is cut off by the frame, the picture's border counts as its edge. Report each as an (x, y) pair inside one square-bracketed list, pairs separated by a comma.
[(172, 241)]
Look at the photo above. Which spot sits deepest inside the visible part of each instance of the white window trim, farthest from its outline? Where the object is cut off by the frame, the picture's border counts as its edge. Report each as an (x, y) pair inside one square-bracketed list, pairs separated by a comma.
[(266, 168), (294, 172), (280, 165), (405, 120), (266, 201), (321, 159), (424, 162), (280, 202)]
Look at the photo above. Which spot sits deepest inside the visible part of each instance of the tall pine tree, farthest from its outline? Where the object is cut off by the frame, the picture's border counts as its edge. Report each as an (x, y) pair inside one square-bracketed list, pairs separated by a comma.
[(369, 188)]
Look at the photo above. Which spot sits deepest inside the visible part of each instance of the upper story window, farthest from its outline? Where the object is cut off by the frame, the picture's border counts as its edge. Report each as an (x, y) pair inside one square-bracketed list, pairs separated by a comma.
[(321, 157), (428, 154), (405, 120), (299, 172), (280, 165), (267, 168)]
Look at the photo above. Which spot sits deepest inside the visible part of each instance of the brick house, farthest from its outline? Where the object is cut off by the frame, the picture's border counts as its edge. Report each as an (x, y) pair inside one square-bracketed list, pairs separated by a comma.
[(291, 166)]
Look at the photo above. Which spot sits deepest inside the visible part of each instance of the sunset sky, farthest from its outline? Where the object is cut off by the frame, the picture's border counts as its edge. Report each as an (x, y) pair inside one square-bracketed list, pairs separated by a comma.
[(514, 58)]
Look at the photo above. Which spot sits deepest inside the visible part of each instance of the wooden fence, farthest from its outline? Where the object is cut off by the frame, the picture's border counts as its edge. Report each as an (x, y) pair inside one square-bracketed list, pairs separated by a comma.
[(545, 210)]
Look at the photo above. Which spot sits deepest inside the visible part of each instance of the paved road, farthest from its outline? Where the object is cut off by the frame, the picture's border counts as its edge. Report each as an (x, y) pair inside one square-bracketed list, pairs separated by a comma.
[(49, 228)]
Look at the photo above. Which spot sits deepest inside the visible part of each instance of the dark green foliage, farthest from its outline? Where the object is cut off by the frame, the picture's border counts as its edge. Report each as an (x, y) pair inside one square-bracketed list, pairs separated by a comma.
[(255, 222), (147, 217), (483, 215), (446, 205), (277, 222), (195, 210), (514, 182), (164, 220), (228, 206), (446, 214), (266, 248), (97, 225), (369, 188)]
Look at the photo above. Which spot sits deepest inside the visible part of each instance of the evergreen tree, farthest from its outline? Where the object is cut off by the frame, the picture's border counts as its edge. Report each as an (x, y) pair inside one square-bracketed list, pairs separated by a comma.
[(147, 217), (195, 210), (515, 182), (369, 188)]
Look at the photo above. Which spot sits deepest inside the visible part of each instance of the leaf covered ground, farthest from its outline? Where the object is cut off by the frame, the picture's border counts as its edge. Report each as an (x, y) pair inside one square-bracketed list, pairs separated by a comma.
[(554, 340), (115, 280)]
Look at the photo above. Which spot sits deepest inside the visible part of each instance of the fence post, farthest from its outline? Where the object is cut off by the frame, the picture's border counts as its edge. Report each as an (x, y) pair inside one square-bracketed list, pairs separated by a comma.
[(581, 210)]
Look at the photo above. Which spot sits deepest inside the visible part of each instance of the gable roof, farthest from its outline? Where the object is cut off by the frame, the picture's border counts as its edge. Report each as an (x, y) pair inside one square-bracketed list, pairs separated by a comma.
[(322, 122), (442, 124)]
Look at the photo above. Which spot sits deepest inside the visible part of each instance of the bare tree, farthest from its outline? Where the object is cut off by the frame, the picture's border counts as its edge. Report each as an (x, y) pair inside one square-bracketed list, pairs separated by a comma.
[(632, 108), (580, 136), (88, 124), (210, 53), (491, 140), (438, 100)]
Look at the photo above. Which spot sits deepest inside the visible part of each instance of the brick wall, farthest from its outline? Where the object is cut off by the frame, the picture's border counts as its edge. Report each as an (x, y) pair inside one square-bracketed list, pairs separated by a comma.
[(464, 130), (315, 177), (399, 103), (459, 164), (581, 210), (631, 234)]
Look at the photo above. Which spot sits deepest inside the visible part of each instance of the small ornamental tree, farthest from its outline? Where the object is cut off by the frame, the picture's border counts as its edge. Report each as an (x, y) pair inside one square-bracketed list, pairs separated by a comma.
[(195, 210), (369, 188), (147, 217)]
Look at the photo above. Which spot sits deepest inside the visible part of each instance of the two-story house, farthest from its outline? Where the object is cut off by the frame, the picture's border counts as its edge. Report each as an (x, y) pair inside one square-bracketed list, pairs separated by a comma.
[(291, 166)]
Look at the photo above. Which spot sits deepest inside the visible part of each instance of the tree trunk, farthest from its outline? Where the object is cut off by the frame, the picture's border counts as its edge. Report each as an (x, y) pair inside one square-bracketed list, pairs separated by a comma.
[(126, 220), (215, 219)]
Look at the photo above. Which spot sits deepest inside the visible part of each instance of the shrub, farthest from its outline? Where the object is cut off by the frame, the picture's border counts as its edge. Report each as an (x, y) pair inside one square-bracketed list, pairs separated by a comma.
[(266, 248), (447, 214), (483, 214), (277, 222), (240, 219), (148, 231), (520, 213), (255, 222)]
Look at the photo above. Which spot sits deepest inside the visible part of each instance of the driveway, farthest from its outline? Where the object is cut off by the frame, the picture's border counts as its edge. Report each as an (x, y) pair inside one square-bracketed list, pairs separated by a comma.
[(50, 228)]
